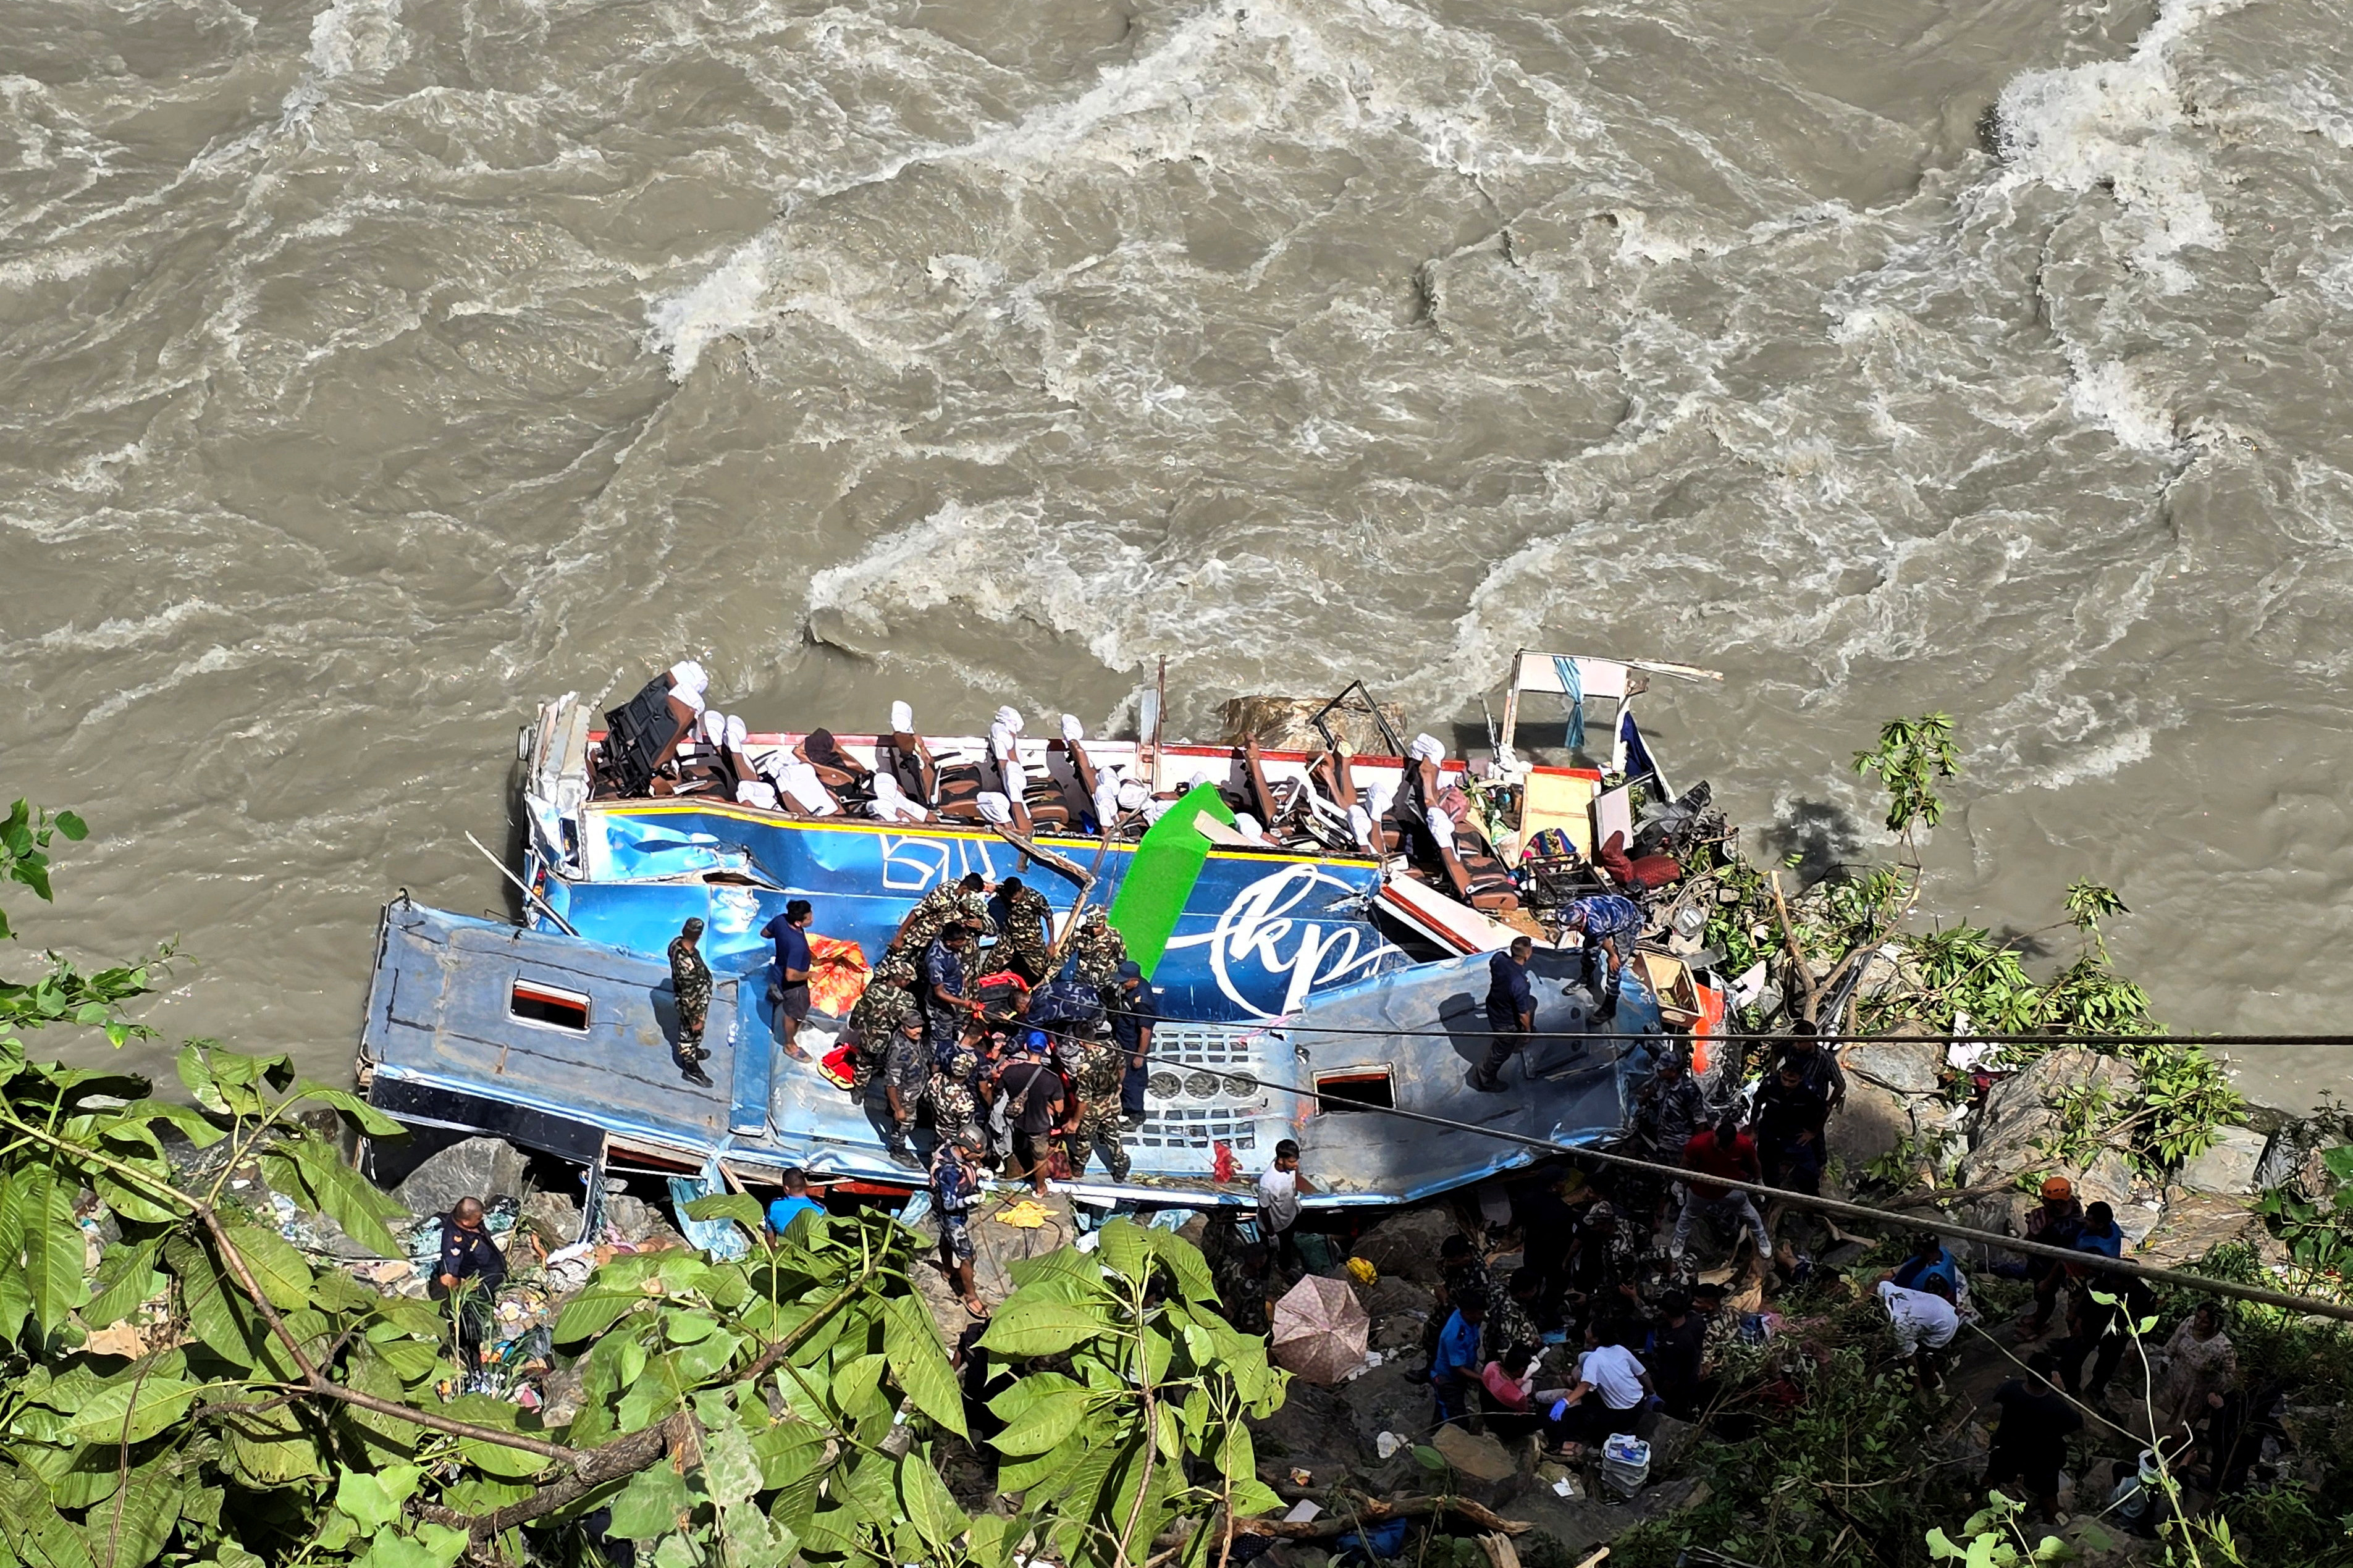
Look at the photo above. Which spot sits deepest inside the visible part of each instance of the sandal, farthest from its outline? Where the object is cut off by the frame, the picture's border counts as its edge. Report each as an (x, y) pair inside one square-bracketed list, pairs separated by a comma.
[(975, 1309)]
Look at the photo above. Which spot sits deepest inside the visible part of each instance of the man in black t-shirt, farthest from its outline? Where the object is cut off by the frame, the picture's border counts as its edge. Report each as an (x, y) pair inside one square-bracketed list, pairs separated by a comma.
[(2031, 1444), (1032, 1091)]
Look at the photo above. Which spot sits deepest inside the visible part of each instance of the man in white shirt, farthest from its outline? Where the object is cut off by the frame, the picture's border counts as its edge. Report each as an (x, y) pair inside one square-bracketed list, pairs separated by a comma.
[(1925, 1323), (1278, 1206), (1611, 1385)]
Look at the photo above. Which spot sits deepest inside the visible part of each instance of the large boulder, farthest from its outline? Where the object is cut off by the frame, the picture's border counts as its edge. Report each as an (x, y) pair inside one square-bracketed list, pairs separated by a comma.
[(1485, 1470), (1873, 1122), (482, 1168), (2228, 1165), (2019, 1120), (1907, 1067), (1406, 1244), (2295, 1155), (1400, 1309), (1312, 1431), (2195, 1223), (1387, 1399)]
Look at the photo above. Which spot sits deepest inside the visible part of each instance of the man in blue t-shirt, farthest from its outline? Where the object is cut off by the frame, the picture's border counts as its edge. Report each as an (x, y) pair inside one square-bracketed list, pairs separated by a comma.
[(794, 1203), (790, 990), (1454, 1370)]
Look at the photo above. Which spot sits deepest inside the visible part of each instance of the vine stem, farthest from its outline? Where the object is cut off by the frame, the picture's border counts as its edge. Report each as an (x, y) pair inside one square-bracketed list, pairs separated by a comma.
[(1150, 1427)]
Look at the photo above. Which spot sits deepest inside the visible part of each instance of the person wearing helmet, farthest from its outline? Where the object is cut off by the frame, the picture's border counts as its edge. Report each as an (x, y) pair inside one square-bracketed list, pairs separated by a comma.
[(2057, 1223)]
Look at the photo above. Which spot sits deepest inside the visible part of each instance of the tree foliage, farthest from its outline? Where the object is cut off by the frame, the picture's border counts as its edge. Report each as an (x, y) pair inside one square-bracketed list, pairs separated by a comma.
[(210, 1397), (1966, 977)]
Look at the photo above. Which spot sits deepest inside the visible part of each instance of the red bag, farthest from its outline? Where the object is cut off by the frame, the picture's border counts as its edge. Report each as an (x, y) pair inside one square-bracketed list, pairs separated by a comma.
[(839, 1065)]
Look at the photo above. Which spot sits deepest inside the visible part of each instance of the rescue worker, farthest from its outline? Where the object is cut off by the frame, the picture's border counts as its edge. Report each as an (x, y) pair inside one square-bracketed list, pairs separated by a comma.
[(966, 901), (1609, 925), (888, 1001), (470, 1271), (955, 1191), (1095, 1120), (1024, 923), (1099, 951), (1670, 1109), (955, 1102), (949, 1006), (689, 984), (1511, 1010), (906, 1079)]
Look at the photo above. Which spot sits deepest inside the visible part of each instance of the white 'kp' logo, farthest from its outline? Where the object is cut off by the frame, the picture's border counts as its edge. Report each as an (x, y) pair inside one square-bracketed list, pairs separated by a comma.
[(1254, 926)]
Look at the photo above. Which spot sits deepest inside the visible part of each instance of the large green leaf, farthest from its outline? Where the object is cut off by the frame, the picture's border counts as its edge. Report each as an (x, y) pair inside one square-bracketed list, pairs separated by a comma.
[(131, 1528), (740, 1207), (126, 1277), (1185, 1261), (132, 1408), (495, 1459), (790, 1452), (1042, 1475), (856, 1387), (1041, 1419), (654, 1503), (269, 1447), (374, 1501), (388, 1438), (597, 1309), (364, 1211), (33, 1528), (132, 1202), (89, 1476), (366, 1117), (1125, 1250), (52, 1247), (196, 1072), (190, 1122), (1030, 1326), (930, 1506), (274, 1264), (918, 1364), (731, 1470)]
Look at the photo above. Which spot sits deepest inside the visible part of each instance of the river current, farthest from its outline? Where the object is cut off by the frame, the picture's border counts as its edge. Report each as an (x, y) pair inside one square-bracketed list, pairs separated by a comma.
[(374, 370)]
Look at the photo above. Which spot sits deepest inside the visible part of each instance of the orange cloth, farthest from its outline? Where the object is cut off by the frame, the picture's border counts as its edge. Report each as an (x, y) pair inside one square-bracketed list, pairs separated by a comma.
[(837, 975)]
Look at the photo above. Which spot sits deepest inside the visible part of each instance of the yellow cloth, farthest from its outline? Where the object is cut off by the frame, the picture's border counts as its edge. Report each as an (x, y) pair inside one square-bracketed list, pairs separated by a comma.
[(1028, 1214), (1362, 1271)]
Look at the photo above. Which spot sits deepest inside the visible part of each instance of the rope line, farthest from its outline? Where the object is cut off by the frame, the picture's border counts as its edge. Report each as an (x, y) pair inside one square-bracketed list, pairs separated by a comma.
[(1827, 1037), (2100, 1262)]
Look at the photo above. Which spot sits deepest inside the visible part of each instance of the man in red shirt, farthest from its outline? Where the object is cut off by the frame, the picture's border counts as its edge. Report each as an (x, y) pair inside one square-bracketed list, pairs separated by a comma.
[(1723, 1150)]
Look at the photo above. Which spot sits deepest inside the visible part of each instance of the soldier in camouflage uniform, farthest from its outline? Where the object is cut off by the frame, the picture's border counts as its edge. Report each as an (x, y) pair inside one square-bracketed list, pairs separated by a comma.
[(1099, 951), (689, 984), (888, 1001), (1022, 941), (955, 1104), (965, 903), (1096, 1124)]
